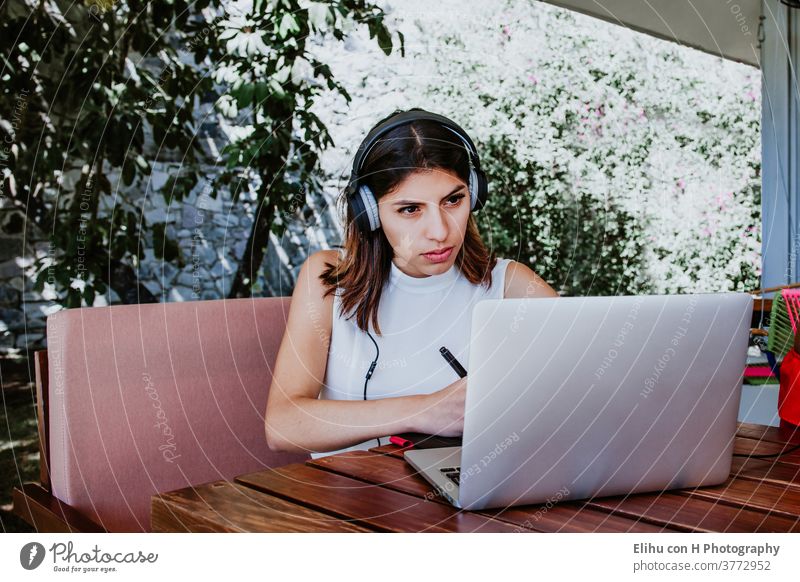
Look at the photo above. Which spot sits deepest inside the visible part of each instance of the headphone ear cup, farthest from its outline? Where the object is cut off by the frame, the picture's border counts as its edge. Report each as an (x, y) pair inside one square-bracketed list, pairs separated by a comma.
[(473, 188), (354, 200), (370, 207), (365, 209), (481, 189)]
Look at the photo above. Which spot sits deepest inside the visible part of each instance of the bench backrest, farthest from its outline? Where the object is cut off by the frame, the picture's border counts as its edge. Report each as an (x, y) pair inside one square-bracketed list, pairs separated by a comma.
[(150, 398)]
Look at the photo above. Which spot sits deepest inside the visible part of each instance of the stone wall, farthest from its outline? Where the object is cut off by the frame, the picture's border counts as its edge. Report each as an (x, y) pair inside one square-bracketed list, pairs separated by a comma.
[(211, 233)]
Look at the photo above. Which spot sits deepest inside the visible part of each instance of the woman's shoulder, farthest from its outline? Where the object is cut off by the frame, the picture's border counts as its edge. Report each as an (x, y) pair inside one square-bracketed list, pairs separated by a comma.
[(520, 280), (316, 264), (310, 288), (320, 261)]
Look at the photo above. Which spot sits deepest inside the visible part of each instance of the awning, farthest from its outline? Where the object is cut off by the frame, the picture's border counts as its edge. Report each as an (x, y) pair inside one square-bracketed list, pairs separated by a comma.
[(727, 28)]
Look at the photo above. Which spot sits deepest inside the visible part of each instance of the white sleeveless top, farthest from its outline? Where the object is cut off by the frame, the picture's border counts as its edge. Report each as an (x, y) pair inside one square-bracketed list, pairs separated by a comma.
[(417, 315)]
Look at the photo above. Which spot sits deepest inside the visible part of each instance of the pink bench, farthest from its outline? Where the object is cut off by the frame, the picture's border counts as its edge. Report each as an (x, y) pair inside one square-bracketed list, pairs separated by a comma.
[(140, 399)]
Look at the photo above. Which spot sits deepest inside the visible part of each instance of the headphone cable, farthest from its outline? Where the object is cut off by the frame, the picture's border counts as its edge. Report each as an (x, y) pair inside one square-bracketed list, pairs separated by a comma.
[(371, 370)]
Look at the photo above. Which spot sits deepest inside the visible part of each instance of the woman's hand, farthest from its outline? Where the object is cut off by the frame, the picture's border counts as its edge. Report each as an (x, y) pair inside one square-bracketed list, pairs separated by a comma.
[(443, 411)]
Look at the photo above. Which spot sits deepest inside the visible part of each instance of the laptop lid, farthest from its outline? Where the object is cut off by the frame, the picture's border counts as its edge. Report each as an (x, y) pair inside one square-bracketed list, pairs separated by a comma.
[(577, 397)]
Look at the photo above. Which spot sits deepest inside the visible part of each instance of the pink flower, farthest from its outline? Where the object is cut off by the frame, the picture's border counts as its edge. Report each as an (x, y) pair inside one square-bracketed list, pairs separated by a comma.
[(681, 183)]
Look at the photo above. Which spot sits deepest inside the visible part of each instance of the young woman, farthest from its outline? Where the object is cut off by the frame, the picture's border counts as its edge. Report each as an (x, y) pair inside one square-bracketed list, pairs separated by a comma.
[(360, 360)]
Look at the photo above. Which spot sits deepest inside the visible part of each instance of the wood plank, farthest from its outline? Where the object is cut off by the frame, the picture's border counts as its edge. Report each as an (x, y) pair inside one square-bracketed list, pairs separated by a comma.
[(770, 434), (766, 470), (391, 450), (696, 514), (46, 513), (769, 497), (375, 507), (748, 446), (393, 473), (223, 506)]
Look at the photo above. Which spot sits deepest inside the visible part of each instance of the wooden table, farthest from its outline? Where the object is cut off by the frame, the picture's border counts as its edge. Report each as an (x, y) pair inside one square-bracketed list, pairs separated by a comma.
[(377, 490)]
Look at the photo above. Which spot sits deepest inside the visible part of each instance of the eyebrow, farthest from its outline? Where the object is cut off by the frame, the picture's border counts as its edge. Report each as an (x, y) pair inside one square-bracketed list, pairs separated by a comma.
[(456, 189)]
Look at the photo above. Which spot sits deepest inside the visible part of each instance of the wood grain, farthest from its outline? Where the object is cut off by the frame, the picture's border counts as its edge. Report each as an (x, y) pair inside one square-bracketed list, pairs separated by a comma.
[(768, 497), (46, 513), (380, 508), (393, 473), (748, 446), (377, 490), (223, 506), (696, 513), (770, 470)]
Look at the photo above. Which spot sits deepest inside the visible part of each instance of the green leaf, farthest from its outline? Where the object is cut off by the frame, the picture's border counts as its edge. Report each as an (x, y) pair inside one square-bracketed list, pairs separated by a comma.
[(88, 294), (40, 279), (128, 172), (164, 248), (243, 95), (73, 298), (261, 91), (384, 40)]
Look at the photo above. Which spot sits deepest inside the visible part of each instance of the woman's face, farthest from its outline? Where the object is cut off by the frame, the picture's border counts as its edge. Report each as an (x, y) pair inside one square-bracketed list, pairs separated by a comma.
[(427, 212)]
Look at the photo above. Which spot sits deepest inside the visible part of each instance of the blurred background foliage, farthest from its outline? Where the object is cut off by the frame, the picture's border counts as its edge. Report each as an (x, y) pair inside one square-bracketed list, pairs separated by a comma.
[(618, 163)]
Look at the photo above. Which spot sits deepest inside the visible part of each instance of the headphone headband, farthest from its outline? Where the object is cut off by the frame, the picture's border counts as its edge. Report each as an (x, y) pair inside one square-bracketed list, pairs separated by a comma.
[(402, 119), (361, 199)]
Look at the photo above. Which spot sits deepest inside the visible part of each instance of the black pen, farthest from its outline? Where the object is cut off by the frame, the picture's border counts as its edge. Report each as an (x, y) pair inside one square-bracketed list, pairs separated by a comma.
[(451, 359)]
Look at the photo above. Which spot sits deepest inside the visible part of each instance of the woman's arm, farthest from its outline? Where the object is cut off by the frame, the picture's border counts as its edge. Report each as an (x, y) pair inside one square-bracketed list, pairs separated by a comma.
[(296, 420)]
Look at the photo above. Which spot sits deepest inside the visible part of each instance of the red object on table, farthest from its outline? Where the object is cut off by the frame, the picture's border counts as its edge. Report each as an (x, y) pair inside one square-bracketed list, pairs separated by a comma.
[(757, 372), (789, 393), (401, 442)]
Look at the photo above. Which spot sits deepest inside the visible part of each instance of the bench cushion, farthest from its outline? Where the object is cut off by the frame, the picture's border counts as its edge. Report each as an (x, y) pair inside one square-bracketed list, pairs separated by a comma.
[(152, 398)]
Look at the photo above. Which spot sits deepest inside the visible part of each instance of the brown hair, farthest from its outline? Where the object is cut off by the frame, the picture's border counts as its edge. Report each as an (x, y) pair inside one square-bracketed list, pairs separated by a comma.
[(421, 145)]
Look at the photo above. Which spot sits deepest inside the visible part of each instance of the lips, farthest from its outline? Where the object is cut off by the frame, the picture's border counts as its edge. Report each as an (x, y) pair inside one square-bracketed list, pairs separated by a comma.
[(438, 252), (439, 256)]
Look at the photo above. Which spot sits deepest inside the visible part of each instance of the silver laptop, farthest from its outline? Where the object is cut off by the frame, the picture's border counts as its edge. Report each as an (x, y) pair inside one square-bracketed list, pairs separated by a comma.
[(580, 397)]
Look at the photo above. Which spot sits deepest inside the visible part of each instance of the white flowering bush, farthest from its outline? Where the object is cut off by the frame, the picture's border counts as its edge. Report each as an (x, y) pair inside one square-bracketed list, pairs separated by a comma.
[(618, 162)]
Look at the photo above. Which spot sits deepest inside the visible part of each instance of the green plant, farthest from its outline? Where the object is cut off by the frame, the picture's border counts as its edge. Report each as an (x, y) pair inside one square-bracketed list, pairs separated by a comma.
[(77, 98)]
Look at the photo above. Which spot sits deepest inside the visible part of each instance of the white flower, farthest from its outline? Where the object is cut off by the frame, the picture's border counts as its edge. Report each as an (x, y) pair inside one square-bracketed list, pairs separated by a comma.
[(245, 40), (226, 74), (238, 133), (301, 71), (241, 30), (238, 7), (227, 106), (319, 15)]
